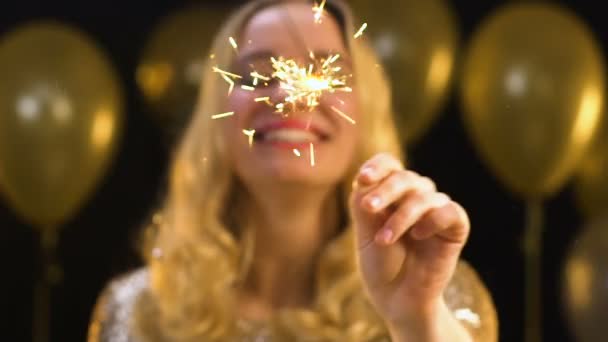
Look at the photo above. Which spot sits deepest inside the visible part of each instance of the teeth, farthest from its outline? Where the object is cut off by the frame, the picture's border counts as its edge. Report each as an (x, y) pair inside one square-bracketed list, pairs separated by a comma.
[(290, 135)]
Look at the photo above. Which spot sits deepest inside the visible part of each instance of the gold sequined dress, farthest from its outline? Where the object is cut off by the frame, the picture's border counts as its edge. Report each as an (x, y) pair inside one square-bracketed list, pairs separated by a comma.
[(466, 296)]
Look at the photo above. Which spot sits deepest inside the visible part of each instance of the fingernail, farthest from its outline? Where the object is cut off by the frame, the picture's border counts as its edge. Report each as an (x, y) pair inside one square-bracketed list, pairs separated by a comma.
[(374, 202), (441, 201), (386, 235), (367, 172)]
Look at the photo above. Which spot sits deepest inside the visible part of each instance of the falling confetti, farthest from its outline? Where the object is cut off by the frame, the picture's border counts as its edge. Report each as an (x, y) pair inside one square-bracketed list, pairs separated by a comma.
[(296, 152), (312, 154)]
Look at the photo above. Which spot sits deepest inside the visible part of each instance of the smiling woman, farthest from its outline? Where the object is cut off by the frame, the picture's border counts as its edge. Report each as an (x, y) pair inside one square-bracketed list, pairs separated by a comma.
[(336, 242)]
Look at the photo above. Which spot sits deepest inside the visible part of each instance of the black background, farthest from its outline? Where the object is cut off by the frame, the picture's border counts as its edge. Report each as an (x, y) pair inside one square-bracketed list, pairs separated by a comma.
[(98, 243)]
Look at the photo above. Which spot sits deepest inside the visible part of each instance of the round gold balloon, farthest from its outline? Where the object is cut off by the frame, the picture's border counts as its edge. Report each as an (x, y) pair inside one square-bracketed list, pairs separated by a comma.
[(60, 117), (591, 179), (471, 303), (417, 42), (169, 72), (585, 282), (532, 90)]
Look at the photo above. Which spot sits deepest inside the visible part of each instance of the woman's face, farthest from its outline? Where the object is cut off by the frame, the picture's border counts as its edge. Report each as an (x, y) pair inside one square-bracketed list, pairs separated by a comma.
[(289, 30)]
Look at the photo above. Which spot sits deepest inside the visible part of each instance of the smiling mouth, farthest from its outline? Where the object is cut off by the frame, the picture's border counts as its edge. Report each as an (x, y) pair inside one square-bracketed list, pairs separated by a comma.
[(289, 136)]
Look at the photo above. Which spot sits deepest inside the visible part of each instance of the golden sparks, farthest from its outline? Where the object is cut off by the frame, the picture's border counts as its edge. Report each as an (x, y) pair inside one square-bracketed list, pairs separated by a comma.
[(256, 77), (221, 115), (233, 43), (230, 82), (343, 115), (302, 83), (318, 10), (224, 72), (250, 134), (264, 99), (360, 31), (228, 77), (306, 83)]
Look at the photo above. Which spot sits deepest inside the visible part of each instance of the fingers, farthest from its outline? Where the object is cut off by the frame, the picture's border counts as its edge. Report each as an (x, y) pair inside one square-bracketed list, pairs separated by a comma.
[(393, 188), (449, 222), (377, 168), (411, 209)]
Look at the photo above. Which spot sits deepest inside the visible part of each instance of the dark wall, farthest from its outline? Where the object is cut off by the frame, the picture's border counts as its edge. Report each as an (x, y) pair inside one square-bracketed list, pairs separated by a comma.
[(99, 242)]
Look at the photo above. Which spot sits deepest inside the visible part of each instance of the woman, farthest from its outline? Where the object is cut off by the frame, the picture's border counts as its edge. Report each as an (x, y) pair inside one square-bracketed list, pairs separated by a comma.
[(256, 243)]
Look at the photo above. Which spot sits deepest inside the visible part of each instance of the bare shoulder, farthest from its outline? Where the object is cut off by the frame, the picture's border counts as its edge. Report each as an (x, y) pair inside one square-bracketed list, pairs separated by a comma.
[(111, 320), (471, 303)]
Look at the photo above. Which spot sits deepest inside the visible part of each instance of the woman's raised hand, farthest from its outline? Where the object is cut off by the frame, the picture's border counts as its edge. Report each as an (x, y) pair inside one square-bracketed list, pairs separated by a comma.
[(409, 238)]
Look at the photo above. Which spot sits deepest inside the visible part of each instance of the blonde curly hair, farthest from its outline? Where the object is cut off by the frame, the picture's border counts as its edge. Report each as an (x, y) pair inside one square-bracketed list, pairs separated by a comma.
[(205, 238)]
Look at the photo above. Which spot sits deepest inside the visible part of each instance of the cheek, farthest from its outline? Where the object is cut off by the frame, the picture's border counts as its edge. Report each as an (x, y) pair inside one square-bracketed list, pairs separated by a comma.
[(239, 102)]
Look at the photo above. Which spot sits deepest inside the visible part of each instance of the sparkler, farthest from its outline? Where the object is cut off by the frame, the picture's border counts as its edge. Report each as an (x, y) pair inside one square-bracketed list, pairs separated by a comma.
[(306, 83), (303, 84)]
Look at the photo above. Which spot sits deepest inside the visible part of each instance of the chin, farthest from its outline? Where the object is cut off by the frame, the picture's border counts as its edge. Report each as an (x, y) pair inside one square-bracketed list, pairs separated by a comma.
[(297, 170)]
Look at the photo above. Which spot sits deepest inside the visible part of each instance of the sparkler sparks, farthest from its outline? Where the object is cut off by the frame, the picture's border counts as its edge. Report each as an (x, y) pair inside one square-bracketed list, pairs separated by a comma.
[(264, 99), (250, 134), (228, 77), (221, 115), (233, 43), (343, 115), (306, 83), (312, 154), (360, 32), (226, 73), (318, 11), (302, 83)]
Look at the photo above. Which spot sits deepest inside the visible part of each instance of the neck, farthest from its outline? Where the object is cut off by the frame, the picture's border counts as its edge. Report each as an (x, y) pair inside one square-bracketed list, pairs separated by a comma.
[(291, 227)]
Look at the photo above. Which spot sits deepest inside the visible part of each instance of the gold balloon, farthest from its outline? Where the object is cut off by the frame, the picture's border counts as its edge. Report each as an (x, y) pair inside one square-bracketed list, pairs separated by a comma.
[(591, 179), (169, 72), (585, 282), (471, 303), (60, 118), (532, 90), (417, 42)]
